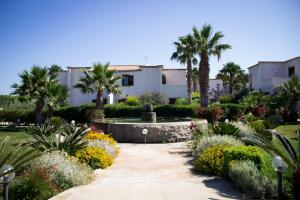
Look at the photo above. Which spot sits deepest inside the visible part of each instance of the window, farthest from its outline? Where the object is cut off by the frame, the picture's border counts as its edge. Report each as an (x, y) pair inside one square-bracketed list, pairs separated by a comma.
[(163, 79), (127, 80), (291, 71)]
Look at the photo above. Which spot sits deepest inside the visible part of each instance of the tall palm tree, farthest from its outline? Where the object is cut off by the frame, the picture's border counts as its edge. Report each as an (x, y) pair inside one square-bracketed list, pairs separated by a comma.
[(208, 44), (233, 76), (185, 54), (98, 80), (194, 78), (35, 86)]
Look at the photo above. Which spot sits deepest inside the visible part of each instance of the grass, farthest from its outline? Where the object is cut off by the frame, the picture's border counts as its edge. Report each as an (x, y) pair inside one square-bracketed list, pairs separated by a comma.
[(289, 131), (17, 135)]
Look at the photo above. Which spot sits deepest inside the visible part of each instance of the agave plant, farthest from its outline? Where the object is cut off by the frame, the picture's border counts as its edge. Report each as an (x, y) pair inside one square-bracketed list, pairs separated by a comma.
[(16, 157), (68, 138), (285, 150)]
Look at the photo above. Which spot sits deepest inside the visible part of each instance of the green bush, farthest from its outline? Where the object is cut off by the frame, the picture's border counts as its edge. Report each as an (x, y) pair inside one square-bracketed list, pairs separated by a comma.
[(32, 186), (25, 116), (212, 114), (223, 128), (225, 99), (154, 98), (175, 110), (181, 101), (233, 111), (121, 110), (252, 153), (247, 177), (257, 125), (201, 143), (211, 160), (132, 101)]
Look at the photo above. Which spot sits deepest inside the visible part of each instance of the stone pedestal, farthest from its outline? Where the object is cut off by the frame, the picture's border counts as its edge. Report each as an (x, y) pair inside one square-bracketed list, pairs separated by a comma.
[(149, 117)]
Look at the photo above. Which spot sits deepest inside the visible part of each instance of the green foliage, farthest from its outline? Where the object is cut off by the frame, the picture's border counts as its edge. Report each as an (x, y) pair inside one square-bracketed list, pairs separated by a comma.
[(8, 102), (33, 186), (95, 157), (223, 128), (210, 161), (175, 110), (257, 125), (121, 110), (47, 137), (254, 99), (233, 111), (132, 101), (17, 157), (252, 153), (153, 98), (25, 116), (212, 114), (247, 177), (199, 144), (92, 114), (184, 101), (225, 99), (250, 117)]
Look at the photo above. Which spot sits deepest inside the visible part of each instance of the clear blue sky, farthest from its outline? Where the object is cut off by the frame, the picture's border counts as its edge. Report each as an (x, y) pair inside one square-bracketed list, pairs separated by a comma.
[(80, 32)]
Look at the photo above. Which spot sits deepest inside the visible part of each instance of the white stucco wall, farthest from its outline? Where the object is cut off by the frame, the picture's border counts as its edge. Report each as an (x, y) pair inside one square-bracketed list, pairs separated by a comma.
[(147, 79), (266, 76), (175, 76)]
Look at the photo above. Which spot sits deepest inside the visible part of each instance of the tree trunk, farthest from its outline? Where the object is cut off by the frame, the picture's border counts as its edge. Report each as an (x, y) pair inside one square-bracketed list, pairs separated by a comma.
[(189, 81), (231, 84), (99, 100), (195, 85), (39, 116), (204, 79)]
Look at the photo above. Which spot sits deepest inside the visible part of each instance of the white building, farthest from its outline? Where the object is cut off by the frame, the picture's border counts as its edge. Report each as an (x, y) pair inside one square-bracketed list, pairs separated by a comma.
[(136, 79), (267, 75)]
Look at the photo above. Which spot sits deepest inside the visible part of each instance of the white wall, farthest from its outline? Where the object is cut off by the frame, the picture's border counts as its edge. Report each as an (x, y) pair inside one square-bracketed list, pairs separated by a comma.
[(175, 76)]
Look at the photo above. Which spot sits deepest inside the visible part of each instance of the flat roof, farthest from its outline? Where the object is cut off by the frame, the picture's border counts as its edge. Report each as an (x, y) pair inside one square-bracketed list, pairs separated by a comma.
[(273, 62)]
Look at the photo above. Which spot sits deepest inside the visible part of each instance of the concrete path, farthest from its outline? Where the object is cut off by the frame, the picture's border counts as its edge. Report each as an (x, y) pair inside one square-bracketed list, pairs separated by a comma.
[(151, 172)]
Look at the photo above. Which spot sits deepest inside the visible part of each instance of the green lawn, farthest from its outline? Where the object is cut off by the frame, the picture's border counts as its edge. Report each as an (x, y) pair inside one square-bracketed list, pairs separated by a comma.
[(288, 130), (17, 136)]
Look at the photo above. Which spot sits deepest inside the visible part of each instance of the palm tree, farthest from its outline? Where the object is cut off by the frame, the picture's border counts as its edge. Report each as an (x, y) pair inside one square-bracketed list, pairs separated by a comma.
[(185, 54), (289, 92), (207, 44), (35, 86), (98, 80), (57, 96), (194, 78), (233, 75)]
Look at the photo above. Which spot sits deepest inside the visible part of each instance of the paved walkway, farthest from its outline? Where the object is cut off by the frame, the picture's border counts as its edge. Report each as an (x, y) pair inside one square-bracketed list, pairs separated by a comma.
[(151, 172)]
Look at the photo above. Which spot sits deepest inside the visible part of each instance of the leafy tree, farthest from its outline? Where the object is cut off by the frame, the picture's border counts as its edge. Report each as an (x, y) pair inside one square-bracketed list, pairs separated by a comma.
[(185, 54), (233, 76), (207, 44), (98, 80), (37, 87)]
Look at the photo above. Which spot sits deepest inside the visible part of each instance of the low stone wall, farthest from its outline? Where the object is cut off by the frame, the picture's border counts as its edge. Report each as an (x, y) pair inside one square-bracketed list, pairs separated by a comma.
[(157, 132)]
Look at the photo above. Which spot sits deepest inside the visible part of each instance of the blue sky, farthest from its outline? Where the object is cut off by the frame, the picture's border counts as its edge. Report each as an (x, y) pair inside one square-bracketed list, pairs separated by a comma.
[(80, 32)]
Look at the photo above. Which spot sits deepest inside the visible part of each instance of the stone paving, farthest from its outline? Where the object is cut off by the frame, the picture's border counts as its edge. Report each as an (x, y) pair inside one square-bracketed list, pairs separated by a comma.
[(152, 172)]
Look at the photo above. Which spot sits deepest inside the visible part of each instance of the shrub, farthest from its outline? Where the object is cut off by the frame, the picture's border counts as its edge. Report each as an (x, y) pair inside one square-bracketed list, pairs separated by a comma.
[(233, 111), (94, 157), (225, 99), (244, 129), (132, 101), (121, 110), (210, 161), (252, 153), (257, 125), (175, 110), (32, 186), (25, 116), (250, 117), (181, 101), (212, 114), (223, 128), (154, 98), (259, 111), (92, 114), (246, 176), (94, 135), (64, 169), (208, 141)]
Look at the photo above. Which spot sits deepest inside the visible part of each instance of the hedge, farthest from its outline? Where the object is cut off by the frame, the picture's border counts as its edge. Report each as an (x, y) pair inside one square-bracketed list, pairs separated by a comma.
[(79, 113)]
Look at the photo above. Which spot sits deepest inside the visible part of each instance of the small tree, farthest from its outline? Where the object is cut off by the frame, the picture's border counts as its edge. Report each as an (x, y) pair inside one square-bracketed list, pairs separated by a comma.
[(98, 80)]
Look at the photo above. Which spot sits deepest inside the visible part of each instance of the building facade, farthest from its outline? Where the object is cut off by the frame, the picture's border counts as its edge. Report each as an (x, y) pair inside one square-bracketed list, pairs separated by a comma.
[(136, 80), (267, 75)]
